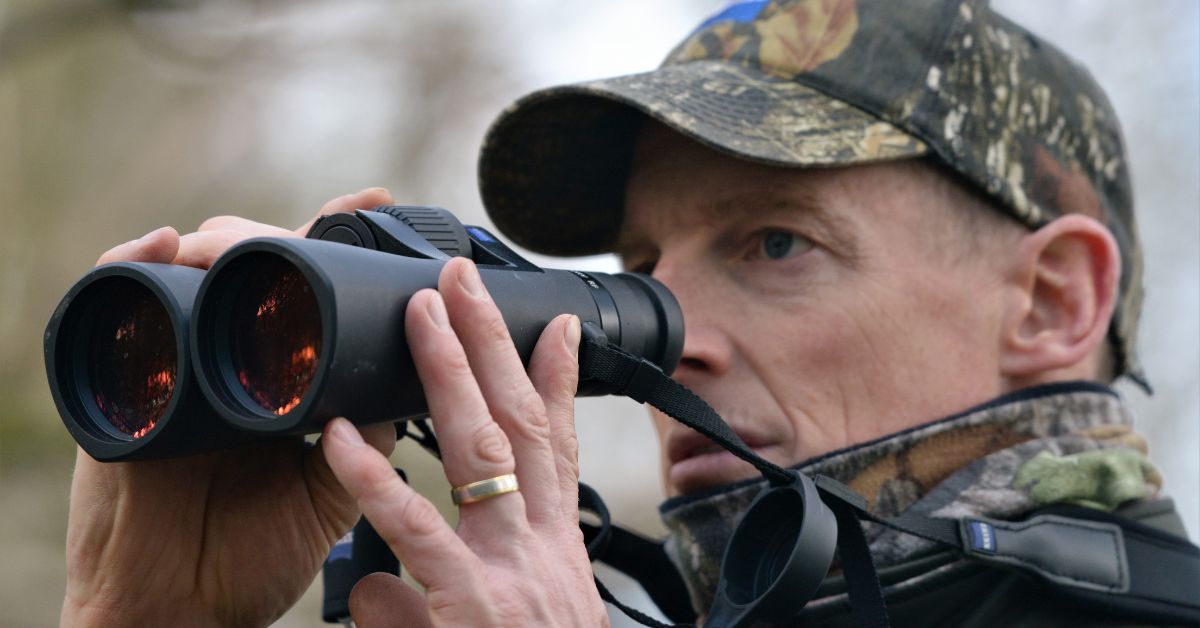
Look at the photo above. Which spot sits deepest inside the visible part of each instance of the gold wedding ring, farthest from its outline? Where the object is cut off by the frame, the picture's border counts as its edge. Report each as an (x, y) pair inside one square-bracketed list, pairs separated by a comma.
[(483, 489)]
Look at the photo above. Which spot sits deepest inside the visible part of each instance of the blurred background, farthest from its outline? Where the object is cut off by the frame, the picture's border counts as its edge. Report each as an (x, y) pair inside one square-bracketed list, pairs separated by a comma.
[(117, 117)]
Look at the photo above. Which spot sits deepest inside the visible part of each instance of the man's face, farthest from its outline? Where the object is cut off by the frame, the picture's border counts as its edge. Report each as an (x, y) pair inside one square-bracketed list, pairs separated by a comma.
[(824, 307)]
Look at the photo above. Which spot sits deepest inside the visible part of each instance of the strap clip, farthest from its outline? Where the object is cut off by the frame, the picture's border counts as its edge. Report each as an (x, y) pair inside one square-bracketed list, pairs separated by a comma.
[(1076, 553)]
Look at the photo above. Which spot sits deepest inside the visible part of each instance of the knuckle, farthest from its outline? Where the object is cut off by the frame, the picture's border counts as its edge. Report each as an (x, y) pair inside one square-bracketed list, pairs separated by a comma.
[(495, 331), (566, 447), (490, 444), (572, 534), (375, 485), (531, 408), (225, 238), (204, 247), (521, 413), (519, 610), (442, 602), (568, 466), (557, 379), (217, 222), (420, 518), (455, 363), (567, 382), (567, 441), (528, 416), (445, 602)]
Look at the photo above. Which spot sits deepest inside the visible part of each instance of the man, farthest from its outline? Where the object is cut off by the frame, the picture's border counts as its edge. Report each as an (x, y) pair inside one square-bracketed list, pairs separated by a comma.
[(902, 239)]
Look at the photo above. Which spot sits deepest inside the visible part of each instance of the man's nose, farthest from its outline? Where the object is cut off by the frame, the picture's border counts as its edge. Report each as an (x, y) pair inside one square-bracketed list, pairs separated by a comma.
[(707, 346)]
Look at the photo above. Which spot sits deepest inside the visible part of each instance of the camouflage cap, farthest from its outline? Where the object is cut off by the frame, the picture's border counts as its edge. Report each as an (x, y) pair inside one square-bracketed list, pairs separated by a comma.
[(824, 83)]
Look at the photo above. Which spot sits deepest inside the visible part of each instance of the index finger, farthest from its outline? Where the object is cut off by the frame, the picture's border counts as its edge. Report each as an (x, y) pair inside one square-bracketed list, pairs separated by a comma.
[(410, 524), (365, 199)]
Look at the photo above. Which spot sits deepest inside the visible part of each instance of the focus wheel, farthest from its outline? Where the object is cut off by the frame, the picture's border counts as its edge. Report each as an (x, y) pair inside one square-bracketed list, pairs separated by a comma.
[(438, 226)]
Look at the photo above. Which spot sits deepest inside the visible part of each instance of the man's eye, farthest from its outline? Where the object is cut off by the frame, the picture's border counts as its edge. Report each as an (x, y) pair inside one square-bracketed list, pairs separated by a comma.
[(783, 244)]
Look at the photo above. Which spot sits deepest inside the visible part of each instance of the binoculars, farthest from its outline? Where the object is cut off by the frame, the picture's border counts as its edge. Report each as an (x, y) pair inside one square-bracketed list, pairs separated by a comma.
[(282, 334)]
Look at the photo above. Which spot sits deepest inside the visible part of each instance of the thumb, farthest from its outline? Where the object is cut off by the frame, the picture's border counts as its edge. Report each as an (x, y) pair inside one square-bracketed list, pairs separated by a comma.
[(382, 600), (335, 507)]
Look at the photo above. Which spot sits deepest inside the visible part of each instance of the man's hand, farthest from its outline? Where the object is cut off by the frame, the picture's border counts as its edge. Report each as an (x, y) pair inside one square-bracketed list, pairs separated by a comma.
[(229, 538), (517, 559)]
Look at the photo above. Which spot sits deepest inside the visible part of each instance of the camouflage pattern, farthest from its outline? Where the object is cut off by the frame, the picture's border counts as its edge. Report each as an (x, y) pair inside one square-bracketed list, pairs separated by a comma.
[(1000, 461), (800, 83), (1101, 479)]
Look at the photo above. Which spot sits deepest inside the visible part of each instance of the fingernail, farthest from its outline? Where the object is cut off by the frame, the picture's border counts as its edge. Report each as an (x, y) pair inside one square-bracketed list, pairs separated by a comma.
[(437, 312), (378, 189), (343, 431), (468, 277), (571, 336)]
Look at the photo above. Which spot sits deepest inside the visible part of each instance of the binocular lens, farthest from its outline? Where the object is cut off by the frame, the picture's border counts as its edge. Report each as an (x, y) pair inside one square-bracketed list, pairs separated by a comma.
[(131, 357), (275, 335)]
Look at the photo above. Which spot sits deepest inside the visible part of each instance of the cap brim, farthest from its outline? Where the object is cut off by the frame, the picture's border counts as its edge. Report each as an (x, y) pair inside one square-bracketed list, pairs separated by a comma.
[(553, 166)]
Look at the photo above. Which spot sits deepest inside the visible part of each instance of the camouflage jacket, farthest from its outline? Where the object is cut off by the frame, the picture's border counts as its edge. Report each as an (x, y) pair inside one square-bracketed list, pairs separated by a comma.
[(1068, 443)]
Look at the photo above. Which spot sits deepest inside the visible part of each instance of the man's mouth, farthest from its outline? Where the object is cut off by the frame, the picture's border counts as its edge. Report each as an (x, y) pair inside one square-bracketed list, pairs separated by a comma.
[(695, 462)]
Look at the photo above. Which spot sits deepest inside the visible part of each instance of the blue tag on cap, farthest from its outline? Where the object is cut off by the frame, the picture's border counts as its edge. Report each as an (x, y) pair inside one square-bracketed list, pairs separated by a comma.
[(742, 12)]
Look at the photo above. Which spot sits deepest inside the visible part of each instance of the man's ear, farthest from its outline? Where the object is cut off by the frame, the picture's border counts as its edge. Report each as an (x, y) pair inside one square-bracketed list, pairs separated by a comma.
[(1064, 279)]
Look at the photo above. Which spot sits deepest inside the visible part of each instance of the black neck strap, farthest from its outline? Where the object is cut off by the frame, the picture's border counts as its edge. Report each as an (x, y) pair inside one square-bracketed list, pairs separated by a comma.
[(641, 380)]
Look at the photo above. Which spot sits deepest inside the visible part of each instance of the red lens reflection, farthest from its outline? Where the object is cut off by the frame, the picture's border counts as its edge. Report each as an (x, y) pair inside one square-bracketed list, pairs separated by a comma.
[(276, 331), (132, 359)]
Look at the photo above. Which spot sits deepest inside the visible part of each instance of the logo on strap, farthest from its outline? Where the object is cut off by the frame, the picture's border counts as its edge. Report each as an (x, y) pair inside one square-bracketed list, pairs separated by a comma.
[(343, 549), (983, 537)]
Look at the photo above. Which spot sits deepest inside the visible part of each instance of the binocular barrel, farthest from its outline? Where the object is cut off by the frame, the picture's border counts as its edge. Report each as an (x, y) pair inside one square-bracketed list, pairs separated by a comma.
[(289, 333), (282, 334)]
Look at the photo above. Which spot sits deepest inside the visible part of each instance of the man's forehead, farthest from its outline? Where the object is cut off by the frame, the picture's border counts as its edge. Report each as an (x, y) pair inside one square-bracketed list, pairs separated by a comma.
[(677, 185), (675, 182)]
